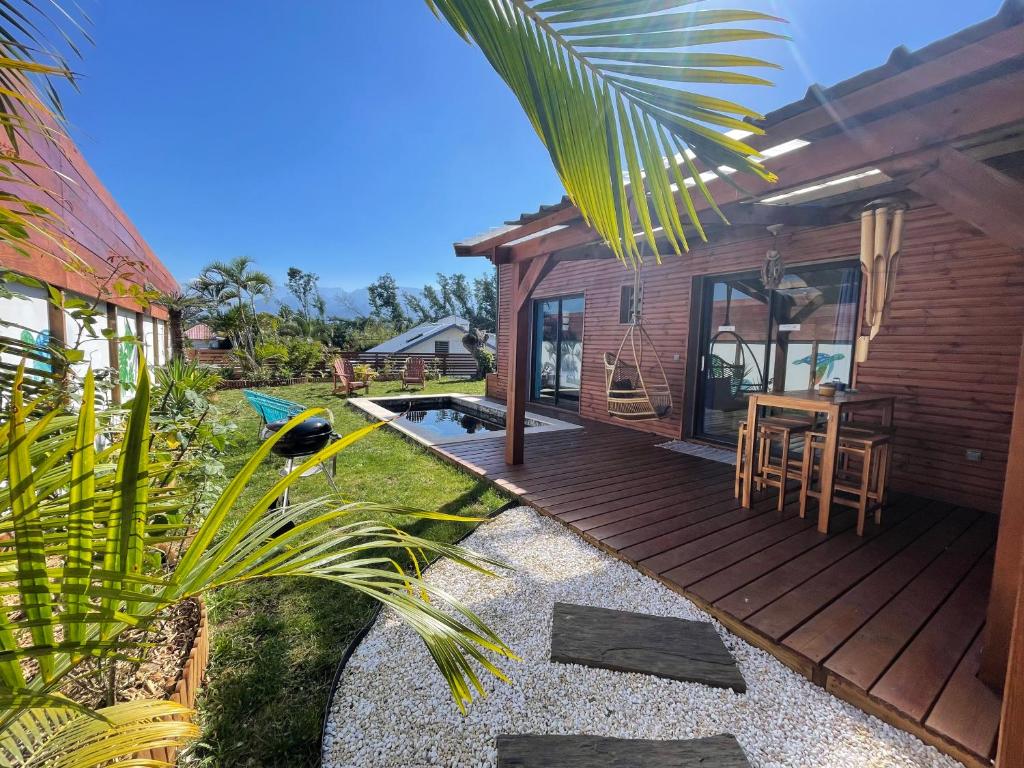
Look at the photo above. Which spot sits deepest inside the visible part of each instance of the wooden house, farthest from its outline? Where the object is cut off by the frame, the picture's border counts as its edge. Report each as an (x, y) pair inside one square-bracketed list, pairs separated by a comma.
[(90, 251), (915, 621)]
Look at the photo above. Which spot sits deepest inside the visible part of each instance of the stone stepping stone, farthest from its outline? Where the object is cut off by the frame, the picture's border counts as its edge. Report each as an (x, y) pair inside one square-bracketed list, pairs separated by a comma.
[(600, 752), (678, 649)]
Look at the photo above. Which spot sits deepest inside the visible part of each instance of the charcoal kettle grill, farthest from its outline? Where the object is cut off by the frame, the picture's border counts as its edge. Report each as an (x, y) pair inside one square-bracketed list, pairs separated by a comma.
[(304, 439)]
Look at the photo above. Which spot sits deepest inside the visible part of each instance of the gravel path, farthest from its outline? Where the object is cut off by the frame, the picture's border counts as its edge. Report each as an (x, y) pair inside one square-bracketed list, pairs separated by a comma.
[(393, 709)]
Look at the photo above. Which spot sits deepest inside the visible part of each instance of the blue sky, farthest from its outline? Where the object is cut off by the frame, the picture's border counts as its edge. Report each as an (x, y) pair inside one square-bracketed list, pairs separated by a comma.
[(353, 137)]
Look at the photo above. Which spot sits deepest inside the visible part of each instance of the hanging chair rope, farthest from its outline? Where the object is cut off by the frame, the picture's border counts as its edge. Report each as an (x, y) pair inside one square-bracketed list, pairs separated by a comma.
[(632, 396)]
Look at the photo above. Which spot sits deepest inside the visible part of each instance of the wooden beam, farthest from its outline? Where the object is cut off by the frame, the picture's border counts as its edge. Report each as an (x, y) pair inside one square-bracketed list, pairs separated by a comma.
[(905, 134), (525, 277), (970, 190), (986, 53), (1003, 595), (115, 392), (486, 247)]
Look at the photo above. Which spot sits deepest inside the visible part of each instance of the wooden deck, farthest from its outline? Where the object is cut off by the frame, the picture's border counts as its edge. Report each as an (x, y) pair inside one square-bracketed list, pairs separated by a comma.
[(890, 621)]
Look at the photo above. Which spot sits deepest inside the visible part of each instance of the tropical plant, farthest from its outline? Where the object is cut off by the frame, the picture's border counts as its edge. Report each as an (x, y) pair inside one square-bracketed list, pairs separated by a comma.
[(592, 77), (80, 521)]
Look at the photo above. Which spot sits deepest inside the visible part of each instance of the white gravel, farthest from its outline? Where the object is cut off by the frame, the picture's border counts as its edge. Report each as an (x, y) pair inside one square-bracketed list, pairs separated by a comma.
[(393, 709)]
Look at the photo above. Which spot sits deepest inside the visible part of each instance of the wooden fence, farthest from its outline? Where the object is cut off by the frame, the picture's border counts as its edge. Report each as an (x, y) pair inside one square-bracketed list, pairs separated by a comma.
[(457, 365)]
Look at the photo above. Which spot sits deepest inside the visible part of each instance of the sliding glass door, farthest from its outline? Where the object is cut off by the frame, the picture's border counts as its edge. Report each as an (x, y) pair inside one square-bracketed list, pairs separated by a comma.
[(557, 351), (754, 339)]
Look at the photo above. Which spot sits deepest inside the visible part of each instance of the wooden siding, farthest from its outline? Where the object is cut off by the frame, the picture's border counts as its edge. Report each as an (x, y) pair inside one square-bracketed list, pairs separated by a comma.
[(949, 349), (91, 224)]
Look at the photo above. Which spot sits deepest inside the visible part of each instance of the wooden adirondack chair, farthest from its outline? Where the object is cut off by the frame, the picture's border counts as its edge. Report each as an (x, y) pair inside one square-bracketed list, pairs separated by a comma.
[(345, 380), (414, 373)]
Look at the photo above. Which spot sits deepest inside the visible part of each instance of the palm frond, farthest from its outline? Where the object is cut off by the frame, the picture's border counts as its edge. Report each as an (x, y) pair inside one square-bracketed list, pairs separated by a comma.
[(73, 575), (62, 737), (591, 74)]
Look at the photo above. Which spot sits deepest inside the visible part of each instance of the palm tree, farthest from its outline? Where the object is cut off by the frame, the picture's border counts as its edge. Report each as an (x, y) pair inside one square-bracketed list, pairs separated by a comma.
[(182, 308), (240, 280)]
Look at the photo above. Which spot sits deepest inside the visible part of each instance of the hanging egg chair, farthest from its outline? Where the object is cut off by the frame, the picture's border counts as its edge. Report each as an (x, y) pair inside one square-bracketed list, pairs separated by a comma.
[(635, 380)]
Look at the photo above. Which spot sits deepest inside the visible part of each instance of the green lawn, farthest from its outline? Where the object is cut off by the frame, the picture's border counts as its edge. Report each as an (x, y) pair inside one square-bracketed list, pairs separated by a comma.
[(276, 644)]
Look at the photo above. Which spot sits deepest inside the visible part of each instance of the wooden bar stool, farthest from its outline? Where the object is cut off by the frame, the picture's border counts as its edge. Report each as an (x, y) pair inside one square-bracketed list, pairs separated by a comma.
[(767, 472), (862, 472)]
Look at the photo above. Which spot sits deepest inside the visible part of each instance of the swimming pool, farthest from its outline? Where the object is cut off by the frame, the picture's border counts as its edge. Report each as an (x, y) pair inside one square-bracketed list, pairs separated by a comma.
[(437, 419)]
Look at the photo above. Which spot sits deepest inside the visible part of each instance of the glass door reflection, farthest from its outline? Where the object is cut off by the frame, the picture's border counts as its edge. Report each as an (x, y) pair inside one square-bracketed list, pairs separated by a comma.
[(557, 351)]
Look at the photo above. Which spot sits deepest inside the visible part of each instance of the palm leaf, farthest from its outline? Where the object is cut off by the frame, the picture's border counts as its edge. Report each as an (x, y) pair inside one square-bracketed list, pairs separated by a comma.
[(94, 518), (591, 74), (68, 738)]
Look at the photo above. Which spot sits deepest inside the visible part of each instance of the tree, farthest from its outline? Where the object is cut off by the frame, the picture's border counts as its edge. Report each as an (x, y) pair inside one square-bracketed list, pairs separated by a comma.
[(455, 295), (182, 308), (237, 280), (304, 287), (385, 301)]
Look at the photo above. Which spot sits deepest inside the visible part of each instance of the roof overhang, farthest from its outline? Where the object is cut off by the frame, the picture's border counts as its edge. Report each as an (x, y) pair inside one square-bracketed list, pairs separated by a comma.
[(878, 129)]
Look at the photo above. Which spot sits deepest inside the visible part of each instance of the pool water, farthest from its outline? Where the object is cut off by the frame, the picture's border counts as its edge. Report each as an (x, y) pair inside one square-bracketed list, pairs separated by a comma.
[(445, 417)]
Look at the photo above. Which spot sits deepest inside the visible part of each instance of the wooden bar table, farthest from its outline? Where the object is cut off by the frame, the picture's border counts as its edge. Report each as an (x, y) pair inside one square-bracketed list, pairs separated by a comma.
[(809, 401)]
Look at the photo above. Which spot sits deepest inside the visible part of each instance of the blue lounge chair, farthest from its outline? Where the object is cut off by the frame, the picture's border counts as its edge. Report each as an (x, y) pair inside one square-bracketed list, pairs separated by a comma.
[(271, 408)]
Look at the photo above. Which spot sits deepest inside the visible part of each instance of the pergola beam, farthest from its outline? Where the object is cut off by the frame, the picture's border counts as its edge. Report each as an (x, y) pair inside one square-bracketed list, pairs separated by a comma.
[(967, 61), (991, 201), (899, 136)]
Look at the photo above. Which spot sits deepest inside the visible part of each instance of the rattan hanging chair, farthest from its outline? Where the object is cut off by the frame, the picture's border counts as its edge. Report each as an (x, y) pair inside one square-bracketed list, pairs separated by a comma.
[(637, 390)]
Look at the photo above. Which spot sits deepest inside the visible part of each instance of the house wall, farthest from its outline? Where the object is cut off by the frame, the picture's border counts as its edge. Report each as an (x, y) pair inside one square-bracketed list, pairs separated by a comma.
[(452, 335), (93, 227), (949, 349)]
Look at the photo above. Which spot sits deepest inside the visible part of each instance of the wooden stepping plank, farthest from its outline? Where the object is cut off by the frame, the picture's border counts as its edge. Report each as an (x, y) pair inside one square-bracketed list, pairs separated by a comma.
[(664, 646), (601, 752)]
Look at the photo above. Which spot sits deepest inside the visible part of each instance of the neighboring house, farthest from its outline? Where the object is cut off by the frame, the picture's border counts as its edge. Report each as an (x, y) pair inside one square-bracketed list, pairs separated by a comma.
[(100, 234), (201, 336), (441, 337), (891, 626)]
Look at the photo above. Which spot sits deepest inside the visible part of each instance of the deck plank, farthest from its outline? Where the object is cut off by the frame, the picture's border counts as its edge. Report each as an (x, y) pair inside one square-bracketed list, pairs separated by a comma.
[(917, 677), (831, 626), (866, 655)]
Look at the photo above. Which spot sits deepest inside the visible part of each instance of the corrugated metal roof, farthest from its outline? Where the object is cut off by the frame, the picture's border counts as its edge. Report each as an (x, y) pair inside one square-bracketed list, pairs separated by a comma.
[(422, 332)]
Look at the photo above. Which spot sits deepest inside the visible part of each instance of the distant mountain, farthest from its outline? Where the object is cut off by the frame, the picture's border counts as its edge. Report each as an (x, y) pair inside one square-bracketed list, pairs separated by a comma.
[(340, 303)]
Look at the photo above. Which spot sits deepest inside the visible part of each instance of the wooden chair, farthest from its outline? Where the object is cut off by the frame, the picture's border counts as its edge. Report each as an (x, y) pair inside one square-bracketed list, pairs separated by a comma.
[(345, 380), (862, 474), (414, 372)]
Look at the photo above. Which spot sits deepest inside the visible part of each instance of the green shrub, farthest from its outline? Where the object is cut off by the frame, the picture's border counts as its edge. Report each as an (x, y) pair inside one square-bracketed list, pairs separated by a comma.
[(304, 355)]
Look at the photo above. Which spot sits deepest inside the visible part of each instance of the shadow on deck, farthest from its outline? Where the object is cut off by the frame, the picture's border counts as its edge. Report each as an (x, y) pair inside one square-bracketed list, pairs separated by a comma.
[(891, 621)]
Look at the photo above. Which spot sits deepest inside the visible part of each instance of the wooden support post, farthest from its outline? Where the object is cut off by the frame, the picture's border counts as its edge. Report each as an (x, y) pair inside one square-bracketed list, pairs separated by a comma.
[(1010, 749), (525, 277), (1003, 596), (112, 350), (155, 360)]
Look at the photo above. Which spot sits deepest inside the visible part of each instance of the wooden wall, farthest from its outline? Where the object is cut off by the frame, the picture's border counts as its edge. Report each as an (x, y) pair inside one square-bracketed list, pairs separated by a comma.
[(92, 225), (949, 350)]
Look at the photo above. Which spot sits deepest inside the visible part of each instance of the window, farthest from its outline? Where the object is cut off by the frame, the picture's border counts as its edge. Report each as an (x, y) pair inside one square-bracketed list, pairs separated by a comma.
[(629, 303), (441, 347)]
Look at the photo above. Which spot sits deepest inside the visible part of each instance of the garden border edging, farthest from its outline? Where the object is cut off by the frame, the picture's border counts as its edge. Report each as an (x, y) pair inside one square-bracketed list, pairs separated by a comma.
[(361, 633)]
